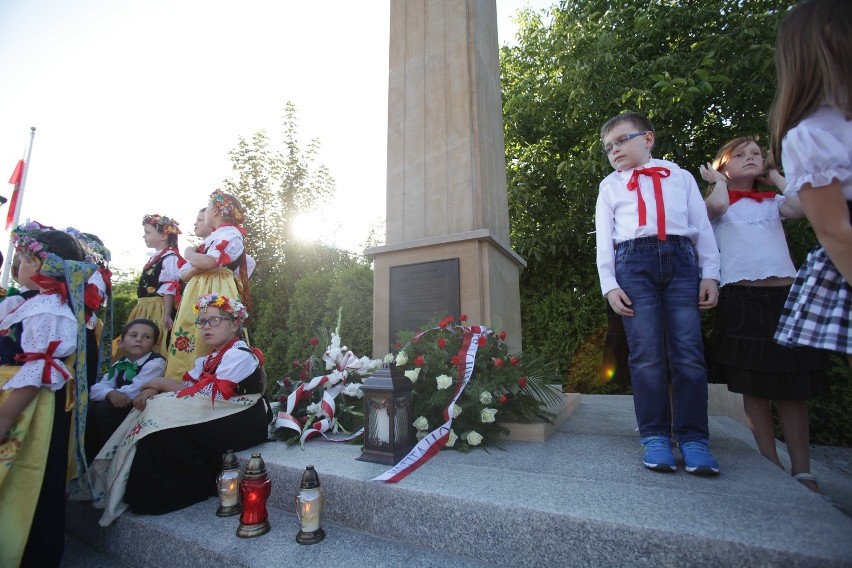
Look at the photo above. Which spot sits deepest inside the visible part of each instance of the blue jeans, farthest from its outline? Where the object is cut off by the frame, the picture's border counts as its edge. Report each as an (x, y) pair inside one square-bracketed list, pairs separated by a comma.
[(662, 278)]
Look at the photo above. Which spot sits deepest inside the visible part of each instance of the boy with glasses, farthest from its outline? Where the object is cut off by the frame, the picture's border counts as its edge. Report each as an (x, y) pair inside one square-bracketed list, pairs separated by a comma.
[(658, 265)]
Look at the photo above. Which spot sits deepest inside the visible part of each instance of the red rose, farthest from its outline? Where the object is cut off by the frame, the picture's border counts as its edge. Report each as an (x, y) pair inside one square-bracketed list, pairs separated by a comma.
[(181, 342), (503, 399), (303, 375), (295, 363), (449, 319), (498, 362), (442, 324), (455, 360), (514, 361), (502, 335), (418, 361), (463, 317), (482, 341), (522, 382), (287, 383), (397, 345), (282, 399), (442, 343), (315, 341)]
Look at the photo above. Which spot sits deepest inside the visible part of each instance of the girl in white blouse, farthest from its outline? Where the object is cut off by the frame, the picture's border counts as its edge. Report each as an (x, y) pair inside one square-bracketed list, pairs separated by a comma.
[(811, 135), (757, 272)]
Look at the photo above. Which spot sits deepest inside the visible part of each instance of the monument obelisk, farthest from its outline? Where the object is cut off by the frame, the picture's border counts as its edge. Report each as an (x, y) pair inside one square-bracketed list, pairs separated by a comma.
[(447, 242)]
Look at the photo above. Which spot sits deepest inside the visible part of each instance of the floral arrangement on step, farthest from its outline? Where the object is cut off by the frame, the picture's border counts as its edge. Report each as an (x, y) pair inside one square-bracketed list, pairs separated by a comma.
[(503, 387)]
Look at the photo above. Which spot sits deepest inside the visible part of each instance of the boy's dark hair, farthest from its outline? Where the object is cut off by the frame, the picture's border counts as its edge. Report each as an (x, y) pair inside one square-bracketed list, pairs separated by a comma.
[(639, 120), (62, 245), (142, 321)]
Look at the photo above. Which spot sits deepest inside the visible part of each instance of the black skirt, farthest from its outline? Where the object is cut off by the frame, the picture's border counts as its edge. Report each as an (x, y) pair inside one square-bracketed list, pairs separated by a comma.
[(178, 467), (742, 354)]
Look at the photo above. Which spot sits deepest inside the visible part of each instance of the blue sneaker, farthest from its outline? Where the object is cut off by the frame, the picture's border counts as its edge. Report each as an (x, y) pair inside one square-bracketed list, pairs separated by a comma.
[(697, 458), (658, 454)]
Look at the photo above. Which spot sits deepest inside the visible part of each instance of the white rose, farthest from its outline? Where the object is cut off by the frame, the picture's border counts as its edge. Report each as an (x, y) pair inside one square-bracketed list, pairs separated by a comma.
[(353, 389), (401, 358), (452, 439), (412, 374), (485, 398), (487, 414), (421, 423), (315, 408), (456, 410), (473, 438), (389, 358), (444, 381)]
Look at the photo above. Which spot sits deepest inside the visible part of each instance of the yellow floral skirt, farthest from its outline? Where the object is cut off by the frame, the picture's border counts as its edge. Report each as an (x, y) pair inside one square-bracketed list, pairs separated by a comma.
[(185, 346)]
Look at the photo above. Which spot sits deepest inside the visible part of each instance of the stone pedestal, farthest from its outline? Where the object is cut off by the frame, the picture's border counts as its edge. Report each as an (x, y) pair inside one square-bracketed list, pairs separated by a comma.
[(446, 189)]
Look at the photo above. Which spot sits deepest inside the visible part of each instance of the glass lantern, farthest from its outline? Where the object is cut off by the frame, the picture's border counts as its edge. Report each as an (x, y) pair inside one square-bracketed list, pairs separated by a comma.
[(388, 409)]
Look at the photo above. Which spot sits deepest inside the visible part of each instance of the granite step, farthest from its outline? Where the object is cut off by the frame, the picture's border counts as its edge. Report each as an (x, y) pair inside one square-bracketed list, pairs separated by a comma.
[(581, 498)]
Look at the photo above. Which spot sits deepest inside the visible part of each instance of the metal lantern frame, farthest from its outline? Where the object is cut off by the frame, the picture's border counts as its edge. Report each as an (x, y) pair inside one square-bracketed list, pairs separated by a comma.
[(388, 391)]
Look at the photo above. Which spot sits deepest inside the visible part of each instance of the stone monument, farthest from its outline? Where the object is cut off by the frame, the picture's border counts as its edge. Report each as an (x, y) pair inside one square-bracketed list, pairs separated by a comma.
[(447, 245)]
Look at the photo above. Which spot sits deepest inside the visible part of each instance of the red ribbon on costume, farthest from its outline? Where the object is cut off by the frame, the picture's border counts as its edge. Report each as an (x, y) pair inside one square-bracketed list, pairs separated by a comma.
[(656, 174), (222, 386), (756, 195), (51, 285), (224, 258), (49, 362)]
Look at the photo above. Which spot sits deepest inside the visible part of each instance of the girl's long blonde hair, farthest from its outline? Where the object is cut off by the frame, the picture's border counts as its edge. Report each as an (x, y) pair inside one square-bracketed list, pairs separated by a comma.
[(813, 61)]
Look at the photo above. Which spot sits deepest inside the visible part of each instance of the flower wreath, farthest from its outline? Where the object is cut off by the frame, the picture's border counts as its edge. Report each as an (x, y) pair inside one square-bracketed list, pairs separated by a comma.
[(95, 252), (163, 224), (25, 241), (227, 206), (225, 304)]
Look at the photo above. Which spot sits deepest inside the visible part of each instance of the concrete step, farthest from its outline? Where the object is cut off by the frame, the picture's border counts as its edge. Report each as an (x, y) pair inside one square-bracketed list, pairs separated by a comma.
[(581, 498)]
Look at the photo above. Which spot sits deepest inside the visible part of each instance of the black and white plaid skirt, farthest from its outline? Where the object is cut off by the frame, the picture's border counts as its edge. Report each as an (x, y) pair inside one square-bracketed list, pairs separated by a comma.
[(818, 310)]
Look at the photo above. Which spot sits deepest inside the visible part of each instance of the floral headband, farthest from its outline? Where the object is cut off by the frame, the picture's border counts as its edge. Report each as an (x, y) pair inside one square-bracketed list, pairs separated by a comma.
[(24, 238), (162, 223), (225, 304), (96, 252), (227, 206)]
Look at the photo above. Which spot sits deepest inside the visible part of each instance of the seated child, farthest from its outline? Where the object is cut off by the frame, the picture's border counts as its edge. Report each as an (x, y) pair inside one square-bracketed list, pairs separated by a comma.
[(167, 453), (111, 399)]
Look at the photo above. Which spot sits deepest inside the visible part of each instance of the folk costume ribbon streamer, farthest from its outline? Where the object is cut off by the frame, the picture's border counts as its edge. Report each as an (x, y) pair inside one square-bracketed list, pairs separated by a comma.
[(220, 386), (656, 174), (755, 195), (127, 368), (49, 362), (436, 439)]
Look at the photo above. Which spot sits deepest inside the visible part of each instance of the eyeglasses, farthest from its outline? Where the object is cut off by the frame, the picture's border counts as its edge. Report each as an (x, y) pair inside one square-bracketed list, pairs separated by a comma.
[(608, 148), (210, 322)]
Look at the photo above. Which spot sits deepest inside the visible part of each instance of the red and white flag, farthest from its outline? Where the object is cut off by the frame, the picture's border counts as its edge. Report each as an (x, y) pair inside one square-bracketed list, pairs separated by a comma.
[(16, 180)]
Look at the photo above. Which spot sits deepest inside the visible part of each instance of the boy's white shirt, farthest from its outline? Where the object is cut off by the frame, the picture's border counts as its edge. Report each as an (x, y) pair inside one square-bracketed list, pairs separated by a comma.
[(156, 368), (617, 218)]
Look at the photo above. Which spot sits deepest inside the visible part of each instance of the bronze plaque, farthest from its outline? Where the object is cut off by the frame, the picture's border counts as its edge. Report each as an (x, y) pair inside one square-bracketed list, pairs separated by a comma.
[(421, 292)]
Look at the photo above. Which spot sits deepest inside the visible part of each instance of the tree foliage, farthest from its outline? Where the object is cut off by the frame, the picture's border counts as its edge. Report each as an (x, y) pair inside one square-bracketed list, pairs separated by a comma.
[(702, 71)]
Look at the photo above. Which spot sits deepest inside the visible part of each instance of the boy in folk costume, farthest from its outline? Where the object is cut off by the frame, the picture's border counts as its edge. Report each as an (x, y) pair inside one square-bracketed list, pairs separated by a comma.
[(658, 265)]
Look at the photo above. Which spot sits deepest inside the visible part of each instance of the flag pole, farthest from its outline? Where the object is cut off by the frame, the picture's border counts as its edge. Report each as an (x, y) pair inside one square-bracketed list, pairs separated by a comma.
[(17, 200)]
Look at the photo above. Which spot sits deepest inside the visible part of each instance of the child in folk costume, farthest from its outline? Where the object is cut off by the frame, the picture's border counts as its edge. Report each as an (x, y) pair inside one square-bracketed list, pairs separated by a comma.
[(757, 272), (159, 284), (202, 230), (111, 399), (811, 134), (209, 269), (43, 327), (167, 454), (658, 265)]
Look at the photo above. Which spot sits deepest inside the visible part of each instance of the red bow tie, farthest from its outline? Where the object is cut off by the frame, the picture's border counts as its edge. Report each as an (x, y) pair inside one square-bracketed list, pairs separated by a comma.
[(656, 174), (756, 195)]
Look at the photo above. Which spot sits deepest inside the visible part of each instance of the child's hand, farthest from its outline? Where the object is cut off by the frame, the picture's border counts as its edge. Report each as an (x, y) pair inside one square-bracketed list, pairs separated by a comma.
[(708, 294), (142, 399), (773, 177), (710, 175), (118, 399), (619, 302), (167, 322)]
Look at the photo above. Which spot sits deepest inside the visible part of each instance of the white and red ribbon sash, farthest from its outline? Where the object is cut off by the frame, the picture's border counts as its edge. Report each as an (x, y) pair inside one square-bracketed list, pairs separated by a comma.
[(437, 438)]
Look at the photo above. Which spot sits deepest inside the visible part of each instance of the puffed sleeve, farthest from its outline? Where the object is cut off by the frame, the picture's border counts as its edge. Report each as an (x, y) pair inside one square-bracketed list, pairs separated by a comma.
[(10, 304), (814, 156), (39, 331), (169, 276), (191, 376), (226, 246), (236, 365)]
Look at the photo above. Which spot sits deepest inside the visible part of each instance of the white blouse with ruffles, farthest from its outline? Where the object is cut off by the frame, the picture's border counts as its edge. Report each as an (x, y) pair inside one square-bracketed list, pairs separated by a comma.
[(818, 150), (45, 319), (751, 241), (213, 246), (236, 365)]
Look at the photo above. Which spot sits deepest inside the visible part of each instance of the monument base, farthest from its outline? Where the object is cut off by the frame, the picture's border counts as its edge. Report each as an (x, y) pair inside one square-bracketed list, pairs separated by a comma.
[(540, 431), (488, 282)]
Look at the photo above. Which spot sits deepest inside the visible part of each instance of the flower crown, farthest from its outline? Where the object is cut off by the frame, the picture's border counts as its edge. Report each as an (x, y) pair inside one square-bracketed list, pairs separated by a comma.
[(24, 238), (227, 206), (225, 304), (95, 252), (163, 224)]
